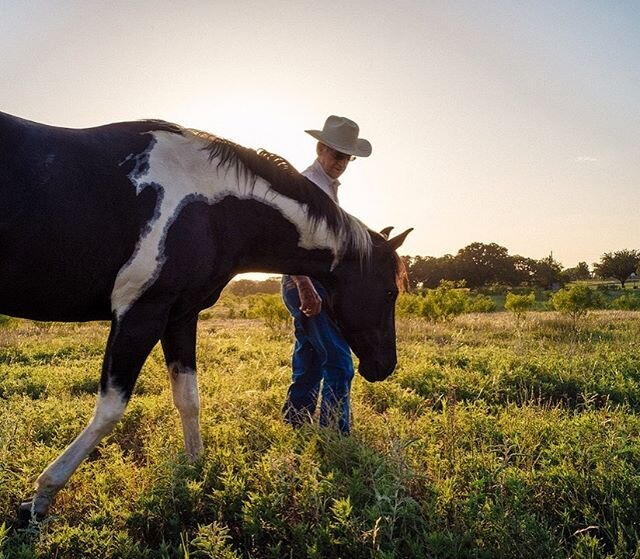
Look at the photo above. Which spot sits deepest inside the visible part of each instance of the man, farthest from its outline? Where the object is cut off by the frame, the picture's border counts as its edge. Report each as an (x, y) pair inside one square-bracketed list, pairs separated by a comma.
[(321, 355)]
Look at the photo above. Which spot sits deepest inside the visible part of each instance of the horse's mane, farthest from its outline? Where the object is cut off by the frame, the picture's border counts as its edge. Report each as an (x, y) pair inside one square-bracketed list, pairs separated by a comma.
[(284, 179), (402, 276)]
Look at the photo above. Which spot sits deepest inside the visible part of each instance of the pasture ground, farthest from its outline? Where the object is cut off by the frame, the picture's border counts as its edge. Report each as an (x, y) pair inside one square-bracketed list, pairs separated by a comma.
[(489, 441)]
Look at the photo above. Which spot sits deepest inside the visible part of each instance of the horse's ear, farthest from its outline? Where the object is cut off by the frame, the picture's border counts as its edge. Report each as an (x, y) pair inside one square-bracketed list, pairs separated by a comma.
[(385, 232), (397, 241)]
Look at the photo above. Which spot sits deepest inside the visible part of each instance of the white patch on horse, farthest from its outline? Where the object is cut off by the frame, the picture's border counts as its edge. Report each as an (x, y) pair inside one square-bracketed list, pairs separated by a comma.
[(184, 386), (182, 169), (109, 409)]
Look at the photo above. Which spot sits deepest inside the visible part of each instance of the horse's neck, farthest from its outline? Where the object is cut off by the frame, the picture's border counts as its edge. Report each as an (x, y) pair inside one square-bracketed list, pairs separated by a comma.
[(282, 258), (280, 229), (272, 243)]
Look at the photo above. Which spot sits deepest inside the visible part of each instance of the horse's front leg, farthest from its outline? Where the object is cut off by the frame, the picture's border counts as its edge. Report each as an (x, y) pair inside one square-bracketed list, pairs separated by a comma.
[(179, 345), (131, 339)]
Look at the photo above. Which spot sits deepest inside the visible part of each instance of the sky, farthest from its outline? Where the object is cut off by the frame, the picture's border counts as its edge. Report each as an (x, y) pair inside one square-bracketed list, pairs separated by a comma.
[(491, 121)]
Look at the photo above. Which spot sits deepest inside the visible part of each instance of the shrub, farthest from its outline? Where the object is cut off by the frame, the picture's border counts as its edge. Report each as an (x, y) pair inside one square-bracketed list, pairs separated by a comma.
[(481, 303), (271, 310), (519, 304), (576, 300), (444, 302), (408, 304), (626, 302)]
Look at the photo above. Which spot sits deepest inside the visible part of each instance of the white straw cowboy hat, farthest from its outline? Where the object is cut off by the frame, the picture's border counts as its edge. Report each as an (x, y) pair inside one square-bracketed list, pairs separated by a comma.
[(341, 134)]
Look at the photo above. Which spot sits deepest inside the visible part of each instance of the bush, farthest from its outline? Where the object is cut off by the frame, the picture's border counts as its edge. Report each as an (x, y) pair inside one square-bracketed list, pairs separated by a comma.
[(519, 304), (227, 306), (408, 304), (481, 303), (271, 310), (576, 300), (626, 302), (444, 302)]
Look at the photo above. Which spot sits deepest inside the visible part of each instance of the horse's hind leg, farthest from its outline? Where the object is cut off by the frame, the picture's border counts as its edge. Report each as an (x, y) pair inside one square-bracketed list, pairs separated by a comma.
[(179, 345), (130, 341), (109, 409)]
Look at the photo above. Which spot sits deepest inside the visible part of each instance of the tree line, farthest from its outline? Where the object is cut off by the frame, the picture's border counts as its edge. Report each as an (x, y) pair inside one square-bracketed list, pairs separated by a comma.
[(481, 264)]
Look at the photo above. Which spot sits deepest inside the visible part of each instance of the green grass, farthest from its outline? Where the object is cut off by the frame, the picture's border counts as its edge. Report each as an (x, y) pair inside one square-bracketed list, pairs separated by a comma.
[(490, 440)]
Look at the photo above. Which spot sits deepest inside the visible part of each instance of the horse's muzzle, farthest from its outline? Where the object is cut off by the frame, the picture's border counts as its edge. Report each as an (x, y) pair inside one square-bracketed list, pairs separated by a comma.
[(376, 352), (377, 369)]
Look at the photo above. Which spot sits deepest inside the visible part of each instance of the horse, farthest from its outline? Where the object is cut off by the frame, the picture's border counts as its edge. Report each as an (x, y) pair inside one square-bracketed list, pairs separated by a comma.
[(143, 224)]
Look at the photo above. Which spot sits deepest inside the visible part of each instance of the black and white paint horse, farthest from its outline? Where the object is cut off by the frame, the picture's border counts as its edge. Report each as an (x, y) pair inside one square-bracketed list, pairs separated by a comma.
[(144, 223)]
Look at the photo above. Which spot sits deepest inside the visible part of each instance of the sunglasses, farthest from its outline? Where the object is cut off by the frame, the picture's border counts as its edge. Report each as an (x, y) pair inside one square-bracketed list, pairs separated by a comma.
[(339, 156)]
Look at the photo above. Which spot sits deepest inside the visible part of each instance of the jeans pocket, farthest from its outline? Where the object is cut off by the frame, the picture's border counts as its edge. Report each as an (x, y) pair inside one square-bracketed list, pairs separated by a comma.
[(287, 283)]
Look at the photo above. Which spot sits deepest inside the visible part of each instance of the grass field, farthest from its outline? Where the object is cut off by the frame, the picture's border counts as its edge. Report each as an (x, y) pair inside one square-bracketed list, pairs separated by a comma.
[(488, 441)]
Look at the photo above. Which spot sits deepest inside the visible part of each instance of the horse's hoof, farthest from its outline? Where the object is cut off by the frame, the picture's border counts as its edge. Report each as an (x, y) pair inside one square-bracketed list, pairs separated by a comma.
[(24, 513), (34, 509)]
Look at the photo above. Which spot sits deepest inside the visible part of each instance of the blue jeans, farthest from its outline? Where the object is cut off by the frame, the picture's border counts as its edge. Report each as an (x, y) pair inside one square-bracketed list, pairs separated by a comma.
[(320, 354)]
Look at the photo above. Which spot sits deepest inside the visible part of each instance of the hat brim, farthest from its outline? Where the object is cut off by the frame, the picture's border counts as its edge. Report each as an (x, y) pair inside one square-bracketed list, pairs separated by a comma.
[(361, 149)]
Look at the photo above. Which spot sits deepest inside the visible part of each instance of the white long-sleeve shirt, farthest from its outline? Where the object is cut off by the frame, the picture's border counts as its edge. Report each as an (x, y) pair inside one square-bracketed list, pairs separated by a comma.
[(315, 173)]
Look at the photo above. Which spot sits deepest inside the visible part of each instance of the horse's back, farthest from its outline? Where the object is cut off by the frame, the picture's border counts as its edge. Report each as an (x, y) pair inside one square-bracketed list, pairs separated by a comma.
[(69, 215)]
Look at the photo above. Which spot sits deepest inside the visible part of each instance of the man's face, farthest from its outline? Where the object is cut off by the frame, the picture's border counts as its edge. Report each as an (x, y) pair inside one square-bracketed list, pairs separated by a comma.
[(333, 162)]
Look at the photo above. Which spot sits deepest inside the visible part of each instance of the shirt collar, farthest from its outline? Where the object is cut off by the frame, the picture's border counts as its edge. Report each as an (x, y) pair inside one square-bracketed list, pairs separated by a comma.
[(335, 183)]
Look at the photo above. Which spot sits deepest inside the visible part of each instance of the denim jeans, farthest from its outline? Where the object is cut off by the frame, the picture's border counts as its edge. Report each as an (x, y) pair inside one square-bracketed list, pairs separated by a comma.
[(320, 356)]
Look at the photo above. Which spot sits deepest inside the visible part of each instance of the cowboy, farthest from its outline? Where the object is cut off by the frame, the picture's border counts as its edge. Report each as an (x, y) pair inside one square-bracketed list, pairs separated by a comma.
[(321, 362)]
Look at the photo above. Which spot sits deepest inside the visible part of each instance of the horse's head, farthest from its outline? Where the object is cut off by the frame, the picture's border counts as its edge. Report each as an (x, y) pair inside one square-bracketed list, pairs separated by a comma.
[(363, 303)]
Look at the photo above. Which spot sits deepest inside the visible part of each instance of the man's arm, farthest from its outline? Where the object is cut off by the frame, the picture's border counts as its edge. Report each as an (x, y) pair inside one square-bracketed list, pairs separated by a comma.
[(310, 301)]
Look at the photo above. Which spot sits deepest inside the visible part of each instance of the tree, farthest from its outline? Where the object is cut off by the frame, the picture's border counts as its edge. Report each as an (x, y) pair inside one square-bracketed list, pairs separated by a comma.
[(242, 287), (619, 265), (480, 264), (547, 272), (428, 271), (579, 273), (524, 271)]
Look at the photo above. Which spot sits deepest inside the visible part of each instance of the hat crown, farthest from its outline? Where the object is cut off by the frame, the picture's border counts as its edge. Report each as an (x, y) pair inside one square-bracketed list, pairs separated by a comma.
[(341, 131)]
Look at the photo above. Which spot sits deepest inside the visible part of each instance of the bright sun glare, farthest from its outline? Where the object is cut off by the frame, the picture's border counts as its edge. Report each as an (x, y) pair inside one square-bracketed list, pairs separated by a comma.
[(262, 124)]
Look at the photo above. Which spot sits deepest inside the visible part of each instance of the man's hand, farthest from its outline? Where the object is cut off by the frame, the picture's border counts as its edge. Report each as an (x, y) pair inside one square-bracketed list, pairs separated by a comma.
[(310, 301)]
